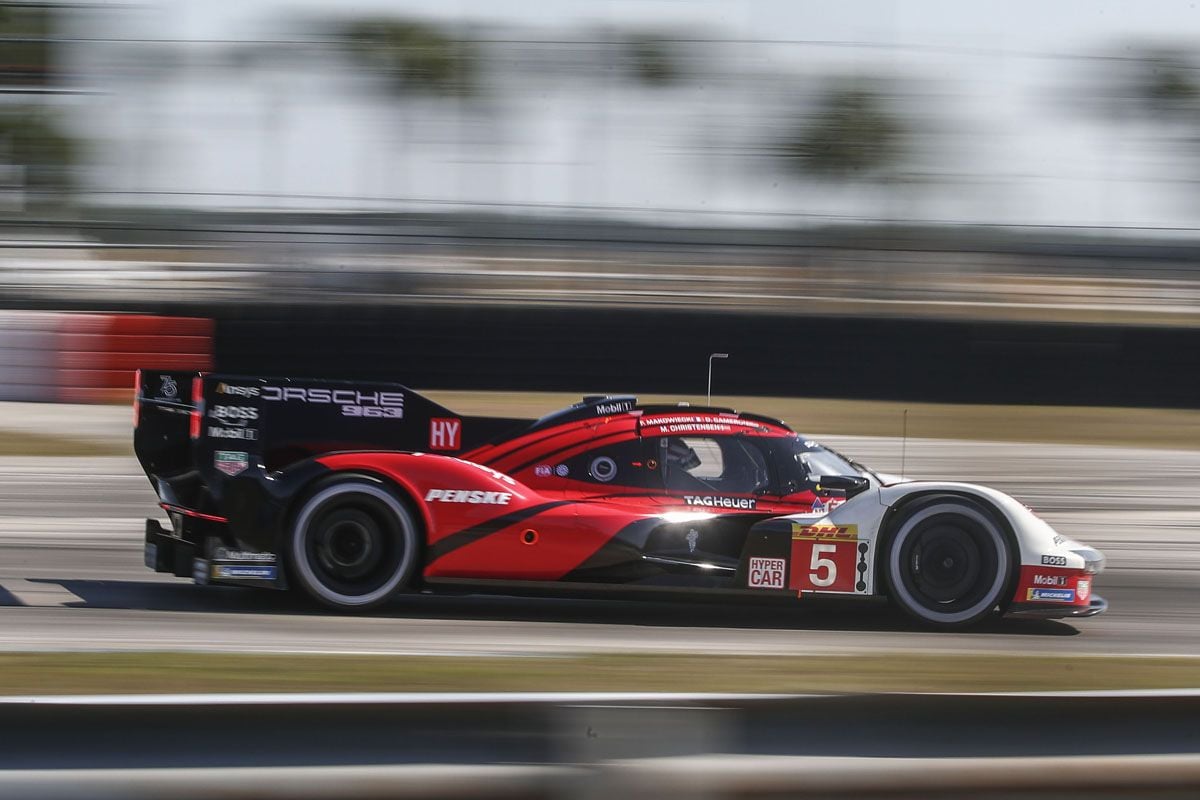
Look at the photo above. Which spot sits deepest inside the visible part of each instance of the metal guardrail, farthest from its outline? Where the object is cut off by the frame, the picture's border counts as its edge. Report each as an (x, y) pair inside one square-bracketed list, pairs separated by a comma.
[(1138, 744)]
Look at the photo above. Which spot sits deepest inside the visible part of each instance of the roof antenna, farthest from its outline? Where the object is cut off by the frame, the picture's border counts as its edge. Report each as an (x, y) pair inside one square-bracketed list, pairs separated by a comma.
[(903, 442), (710, 360)]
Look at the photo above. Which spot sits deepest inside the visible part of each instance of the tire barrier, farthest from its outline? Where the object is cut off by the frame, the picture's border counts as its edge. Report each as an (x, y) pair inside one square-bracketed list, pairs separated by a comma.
[(90, 358), (28, 353)]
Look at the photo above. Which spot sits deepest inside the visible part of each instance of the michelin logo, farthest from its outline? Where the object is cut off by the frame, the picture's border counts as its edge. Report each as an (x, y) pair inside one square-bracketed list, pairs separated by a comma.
[(243, 573), (1051, 595)]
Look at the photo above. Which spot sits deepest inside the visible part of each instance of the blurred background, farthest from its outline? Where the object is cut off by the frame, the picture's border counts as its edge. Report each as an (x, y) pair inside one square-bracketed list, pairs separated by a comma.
[(987, 213), (289, 166), (1000, 169)]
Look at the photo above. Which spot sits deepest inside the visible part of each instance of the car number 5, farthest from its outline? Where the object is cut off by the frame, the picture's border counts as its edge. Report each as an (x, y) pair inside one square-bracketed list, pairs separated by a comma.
[(819, 564)]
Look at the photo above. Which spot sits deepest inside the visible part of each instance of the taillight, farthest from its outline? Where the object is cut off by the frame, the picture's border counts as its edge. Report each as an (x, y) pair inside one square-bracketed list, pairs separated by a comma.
[(137, 398), (197, 413)]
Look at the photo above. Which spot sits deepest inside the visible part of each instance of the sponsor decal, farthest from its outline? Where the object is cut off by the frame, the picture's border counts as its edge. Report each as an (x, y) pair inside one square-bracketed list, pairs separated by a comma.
[(1084, 588), (168, 389), (1050, 595), (445, 433), (861, 584), (693, 536), (468, 496), (231, 462), (845, 533), (246, 572), (827, 504), (200, 570), (543, 470), (237, 391), (603, 469), (353, 403), (233, 415), (613, 408), (228, 554), (245, 434), (562, 471), (766, 573), (1054, 561), (1059, 539), (1049, 580), (745, 503)]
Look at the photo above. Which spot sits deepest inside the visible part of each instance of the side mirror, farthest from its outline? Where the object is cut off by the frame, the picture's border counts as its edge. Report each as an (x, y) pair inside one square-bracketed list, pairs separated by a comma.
[(850, 484)]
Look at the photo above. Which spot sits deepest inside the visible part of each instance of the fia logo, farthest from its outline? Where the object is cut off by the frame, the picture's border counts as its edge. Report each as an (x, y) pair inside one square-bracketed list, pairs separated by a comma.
[(168, 388), (693, 536), (445, 433)]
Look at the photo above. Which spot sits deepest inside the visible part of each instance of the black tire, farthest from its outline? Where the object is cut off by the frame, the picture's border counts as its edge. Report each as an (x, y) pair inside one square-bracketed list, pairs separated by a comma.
[(949, 562), (353, 544)]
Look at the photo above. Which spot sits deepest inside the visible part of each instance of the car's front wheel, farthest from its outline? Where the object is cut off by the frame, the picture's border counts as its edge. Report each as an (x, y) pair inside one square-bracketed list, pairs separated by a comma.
[(949, 562), (352, 544)]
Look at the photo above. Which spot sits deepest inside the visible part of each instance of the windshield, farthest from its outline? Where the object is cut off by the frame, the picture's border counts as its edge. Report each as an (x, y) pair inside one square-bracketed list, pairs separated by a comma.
[(803, 461)]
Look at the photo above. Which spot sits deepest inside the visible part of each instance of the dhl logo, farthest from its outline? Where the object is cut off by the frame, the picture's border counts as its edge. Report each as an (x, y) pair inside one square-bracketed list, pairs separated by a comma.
[(844, 533)]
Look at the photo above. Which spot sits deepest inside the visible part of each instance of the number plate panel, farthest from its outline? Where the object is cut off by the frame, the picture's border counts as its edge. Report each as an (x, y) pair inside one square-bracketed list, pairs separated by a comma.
[(826, 558)]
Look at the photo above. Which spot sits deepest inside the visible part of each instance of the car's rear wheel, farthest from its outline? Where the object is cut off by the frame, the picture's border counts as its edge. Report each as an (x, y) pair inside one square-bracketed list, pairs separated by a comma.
[(949, 562), (353, 544)]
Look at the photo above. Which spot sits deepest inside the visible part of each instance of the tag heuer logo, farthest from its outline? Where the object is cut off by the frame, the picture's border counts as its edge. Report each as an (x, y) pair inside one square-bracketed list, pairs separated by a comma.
[(231, 462)]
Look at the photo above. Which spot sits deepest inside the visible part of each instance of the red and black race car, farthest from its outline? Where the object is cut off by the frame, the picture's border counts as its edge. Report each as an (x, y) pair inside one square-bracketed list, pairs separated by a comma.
[(354, 492)]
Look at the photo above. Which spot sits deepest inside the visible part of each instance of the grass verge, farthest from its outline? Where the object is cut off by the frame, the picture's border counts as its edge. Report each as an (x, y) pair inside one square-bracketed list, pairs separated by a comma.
[(1132, 427), (24, 443), (139, 673)]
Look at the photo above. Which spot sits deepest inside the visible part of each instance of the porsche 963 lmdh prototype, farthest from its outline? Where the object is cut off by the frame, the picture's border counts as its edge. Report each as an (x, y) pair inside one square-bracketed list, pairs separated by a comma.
[(355, 492)]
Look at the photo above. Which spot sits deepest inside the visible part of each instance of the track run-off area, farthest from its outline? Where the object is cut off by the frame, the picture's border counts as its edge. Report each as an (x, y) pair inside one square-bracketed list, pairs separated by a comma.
[(71, 574)]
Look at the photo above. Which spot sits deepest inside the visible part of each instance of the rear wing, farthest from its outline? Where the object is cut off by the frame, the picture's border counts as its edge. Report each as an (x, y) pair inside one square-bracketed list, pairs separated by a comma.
[(218, 424)]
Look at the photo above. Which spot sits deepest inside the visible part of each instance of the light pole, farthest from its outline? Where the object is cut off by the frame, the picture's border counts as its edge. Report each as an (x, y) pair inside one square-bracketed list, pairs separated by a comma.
[(710, 360)]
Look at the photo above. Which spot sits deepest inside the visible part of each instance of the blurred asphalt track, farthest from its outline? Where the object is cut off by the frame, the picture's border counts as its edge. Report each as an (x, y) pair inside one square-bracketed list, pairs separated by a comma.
[(71, 574)]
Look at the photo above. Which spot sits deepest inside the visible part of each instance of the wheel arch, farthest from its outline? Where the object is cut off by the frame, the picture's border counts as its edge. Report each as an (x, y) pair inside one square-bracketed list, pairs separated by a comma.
[(304, 490), (887, 530), (404, 490)]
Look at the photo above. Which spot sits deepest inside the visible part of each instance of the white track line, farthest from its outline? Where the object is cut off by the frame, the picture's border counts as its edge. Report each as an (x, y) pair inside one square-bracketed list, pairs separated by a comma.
[(558, 698), (36, 594)]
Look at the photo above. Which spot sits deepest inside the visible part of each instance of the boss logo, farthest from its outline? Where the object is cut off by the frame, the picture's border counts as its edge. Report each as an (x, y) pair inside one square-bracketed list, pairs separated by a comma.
[(233, 412), (1054, 561)]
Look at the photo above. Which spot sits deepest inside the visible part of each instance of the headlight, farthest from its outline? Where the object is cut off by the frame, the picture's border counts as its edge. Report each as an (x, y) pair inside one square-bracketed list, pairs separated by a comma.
[(1093, 560)]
